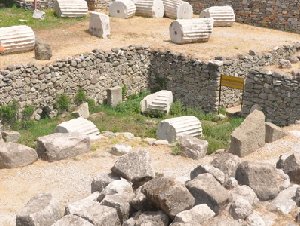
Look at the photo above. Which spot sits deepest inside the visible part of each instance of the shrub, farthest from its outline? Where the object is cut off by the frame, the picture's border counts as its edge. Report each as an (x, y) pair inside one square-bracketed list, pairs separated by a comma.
[(62, 103), (92, 105), (124, 91), (9, 113), (27, 112), (176, 150), (80, 97)]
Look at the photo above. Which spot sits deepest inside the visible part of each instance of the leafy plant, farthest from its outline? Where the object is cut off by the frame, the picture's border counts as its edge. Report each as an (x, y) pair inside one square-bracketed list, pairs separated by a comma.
[(27, 112), (9, 113), (63, 103), (80, 96), (176, 150)]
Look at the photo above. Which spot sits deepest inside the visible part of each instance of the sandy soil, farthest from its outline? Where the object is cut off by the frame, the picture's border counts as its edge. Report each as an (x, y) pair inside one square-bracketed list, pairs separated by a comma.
[(69, 180), (74, 39)]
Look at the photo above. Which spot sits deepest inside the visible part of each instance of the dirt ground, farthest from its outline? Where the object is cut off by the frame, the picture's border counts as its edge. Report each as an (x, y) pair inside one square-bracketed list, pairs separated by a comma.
[(75, 39), (69, 180)]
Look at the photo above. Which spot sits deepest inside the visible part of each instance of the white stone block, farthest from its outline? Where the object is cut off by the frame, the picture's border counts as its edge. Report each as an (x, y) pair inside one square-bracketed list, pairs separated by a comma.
[(171, 129), (150, 8), (160, 101), (17, 39), (122, 9), (99, 25), (79, 125), (191, 30), (70, 8), (177, 9), (223, 16)]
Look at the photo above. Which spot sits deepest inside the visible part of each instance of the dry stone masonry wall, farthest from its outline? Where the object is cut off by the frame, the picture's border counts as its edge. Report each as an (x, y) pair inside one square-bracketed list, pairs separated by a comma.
[(278, 14)]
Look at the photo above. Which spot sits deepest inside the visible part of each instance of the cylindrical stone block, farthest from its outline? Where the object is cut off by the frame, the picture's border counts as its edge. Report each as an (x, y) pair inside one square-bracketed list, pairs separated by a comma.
[(122, 9), (150, 8), (223, 16)]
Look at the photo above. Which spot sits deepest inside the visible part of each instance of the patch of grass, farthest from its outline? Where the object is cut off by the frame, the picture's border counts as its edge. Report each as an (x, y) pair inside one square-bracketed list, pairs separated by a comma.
[(176, 150), (12, 16)]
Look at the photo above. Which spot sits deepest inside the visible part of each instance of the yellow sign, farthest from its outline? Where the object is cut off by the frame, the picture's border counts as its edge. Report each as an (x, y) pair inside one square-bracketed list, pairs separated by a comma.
[(232, 82)]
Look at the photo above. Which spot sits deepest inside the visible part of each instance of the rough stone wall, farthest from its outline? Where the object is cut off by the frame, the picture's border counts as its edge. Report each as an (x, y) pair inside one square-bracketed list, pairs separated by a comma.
[(278, 14), (277, 94), (137, 68), (241, 66)]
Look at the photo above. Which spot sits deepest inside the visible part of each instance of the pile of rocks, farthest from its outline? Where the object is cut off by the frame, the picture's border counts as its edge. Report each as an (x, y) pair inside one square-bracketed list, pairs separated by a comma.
[(227, 189)]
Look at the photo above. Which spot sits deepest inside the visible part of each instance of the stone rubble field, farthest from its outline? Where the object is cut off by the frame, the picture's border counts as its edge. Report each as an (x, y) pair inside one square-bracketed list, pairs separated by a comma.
[(137, 180)]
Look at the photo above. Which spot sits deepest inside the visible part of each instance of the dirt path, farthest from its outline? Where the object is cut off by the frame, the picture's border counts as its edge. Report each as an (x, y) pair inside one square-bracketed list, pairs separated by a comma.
[(69, 180), (74, 39)]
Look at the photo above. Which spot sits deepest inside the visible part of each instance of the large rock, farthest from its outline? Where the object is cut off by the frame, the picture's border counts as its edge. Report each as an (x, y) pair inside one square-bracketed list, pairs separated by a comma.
[(100, 215), (250, 135), (227, 163), (10, 136), (135, 167), (79, 125), (168, 195), (99, 25), (150, 8), (16, 155), (72, 220), (191, 30), (273, 132), (195, 216), (207, 190), (201, 169), (263, 178), (171, 129), (120, 149), (78, 206), (42, 51), (16, 39), (285, 200), (151, 218), (42, 209), (291, 166), (192, 147), (122, 9), (240, 208), (177, 9), (140, 202), (101, 181), (82, 111), (121, 203), (59, 146), (244, 192), (121, 187), (159, 102), (114, 95)]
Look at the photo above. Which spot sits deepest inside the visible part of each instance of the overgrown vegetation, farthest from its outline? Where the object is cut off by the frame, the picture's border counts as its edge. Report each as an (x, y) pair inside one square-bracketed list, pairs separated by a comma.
[(18, 16), (124, 117)]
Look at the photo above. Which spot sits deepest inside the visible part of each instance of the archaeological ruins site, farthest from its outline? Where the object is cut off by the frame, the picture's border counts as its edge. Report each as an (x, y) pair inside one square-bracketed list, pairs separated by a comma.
[(149, 113)]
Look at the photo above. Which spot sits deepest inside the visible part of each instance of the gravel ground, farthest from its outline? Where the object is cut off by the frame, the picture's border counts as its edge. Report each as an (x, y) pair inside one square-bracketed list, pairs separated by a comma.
[(69, 180), (225, 41)]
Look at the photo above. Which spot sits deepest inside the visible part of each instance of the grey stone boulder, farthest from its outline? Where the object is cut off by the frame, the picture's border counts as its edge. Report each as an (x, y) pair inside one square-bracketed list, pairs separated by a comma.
[(273, 132), (227, 163), (221, 220), (148, 218), (255, 219), (195, 216), (263, 178), (201, 169), (120, 149), (140, 202), (249, 136), (42, 209), (78, 206), (231, 183), (135, 167), (168, 195), (60, 146), (42, 51), (245, 192), (114, 96), (101, 180), (240, 208), (98, 214), (284, 63), (120, 202), (192, 147), (285, 201), (120, 187), (10, 136), (72, 220), (14, 155), (291, 166), (207, 190), (82, 111), (293, 59)]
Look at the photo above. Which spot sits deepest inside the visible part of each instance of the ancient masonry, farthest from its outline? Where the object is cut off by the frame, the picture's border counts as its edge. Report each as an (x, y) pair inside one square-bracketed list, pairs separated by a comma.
[(139, 69), (191, 30), (99, 25), (70, 8), (177, 9), (122, 9), (278, 14), (223, 15), (150, 8)]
